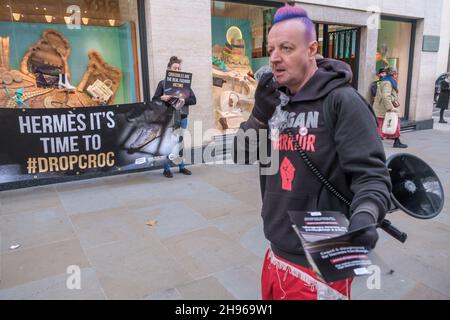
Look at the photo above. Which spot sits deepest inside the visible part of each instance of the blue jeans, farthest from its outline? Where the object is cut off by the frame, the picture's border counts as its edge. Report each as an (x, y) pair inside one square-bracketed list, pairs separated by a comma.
[(181, 166)]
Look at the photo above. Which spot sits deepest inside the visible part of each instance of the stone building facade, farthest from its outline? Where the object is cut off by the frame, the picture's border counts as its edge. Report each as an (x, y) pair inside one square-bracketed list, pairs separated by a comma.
[(183, 28)]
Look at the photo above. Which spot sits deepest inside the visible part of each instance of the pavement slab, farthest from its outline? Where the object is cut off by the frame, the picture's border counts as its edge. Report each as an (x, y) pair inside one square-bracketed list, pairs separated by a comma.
[(26, 265), (37, 228), (207, 251), (208, 288), (136, 269), (208, 242), (242, 282), (55, 288)]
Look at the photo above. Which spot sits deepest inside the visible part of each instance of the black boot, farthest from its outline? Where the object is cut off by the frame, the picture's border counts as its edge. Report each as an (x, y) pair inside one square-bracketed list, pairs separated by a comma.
[(441, 116), (398, 144)]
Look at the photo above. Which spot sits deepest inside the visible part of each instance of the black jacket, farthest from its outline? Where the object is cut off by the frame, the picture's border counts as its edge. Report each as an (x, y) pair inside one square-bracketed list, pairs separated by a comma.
[(189, 102), (444, 95), (352, 158)]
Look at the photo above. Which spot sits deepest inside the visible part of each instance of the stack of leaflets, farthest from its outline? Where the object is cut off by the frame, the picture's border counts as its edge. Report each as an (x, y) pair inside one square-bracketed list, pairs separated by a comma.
[(328, 247)]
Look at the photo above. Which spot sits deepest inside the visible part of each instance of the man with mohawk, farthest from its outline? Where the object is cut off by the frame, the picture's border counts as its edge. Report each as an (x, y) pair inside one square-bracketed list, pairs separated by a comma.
[(350, 155)]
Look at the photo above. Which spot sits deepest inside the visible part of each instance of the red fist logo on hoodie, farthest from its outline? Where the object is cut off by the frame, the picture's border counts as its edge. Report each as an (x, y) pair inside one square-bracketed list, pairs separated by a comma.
[(287, 172)]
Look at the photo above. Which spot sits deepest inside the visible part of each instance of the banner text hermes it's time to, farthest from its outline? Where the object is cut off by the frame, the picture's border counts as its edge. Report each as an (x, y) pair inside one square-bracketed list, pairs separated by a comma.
[(81, 140)]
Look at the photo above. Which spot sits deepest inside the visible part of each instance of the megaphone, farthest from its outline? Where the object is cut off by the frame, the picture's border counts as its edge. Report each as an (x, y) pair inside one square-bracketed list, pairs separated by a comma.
[(416, 190)]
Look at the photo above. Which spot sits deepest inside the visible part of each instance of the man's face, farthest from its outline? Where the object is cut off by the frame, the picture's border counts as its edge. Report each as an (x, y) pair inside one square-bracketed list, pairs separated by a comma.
[(291, 56)]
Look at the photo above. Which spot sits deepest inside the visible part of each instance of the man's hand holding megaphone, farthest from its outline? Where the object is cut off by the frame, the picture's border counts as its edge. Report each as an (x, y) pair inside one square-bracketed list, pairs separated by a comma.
[(367, 238)]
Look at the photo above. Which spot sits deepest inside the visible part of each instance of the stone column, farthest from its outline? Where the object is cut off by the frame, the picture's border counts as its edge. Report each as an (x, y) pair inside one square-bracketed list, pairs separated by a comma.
[(367, 60), (182, 28), (443, 62)]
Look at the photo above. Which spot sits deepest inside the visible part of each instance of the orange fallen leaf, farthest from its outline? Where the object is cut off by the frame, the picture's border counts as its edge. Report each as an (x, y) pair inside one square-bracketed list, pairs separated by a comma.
[(151, 223)]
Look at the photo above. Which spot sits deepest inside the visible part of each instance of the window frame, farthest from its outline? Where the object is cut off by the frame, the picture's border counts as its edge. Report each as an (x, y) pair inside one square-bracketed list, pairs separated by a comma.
[(411, 58)]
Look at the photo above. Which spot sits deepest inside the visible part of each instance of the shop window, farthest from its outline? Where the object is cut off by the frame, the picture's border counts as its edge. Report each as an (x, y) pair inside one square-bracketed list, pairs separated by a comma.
[(320, 40), (393, 49), (239, 38), (341, 43), (70, 53)]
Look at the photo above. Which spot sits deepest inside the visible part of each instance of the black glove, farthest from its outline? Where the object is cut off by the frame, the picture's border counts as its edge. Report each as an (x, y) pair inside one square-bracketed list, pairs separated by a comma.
[(369, 237), (267, 98)]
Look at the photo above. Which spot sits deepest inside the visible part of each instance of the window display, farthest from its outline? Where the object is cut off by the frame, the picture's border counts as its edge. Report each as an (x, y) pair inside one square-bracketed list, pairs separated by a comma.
[(239, 37), (61, 54), (393, 50), (341, 43)]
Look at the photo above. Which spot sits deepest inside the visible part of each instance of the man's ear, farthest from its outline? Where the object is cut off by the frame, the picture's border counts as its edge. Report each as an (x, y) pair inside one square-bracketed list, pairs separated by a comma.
[(312, 49)]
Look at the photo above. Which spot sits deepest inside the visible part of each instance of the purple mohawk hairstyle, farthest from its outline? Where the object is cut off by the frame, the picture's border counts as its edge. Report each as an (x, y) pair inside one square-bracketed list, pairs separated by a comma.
[(293, 12)]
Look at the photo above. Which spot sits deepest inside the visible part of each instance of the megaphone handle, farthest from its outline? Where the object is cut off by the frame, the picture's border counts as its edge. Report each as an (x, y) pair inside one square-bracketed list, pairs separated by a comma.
[(387, 226)]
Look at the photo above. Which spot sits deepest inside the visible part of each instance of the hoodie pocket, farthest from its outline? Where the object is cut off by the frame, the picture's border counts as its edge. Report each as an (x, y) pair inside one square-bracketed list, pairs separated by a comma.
[(277, 225)]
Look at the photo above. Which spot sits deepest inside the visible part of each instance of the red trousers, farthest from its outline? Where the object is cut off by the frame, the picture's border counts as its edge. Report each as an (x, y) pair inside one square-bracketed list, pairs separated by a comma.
[(283, 280)]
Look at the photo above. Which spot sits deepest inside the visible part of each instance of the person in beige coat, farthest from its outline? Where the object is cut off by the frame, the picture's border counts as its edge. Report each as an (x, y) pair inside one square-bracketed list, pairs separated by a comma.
[(386, 100)]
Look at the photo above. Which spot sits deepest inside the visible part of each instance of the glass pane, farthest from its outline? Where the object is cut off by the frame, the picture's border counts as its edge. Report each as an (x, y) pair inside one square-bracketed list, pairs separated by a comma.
[(320, 39), (393, 49), (75, 54), (239, 38), (354, 35)]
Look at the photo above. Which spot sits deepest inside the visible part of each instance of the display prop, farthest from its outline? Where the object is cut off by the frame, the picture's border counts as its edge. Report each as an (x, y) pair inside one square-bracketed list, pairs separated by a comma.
[(49, 55), (43, 78), (59, 142), (4, 53), (100, 91), (233, 82), (98, 70)]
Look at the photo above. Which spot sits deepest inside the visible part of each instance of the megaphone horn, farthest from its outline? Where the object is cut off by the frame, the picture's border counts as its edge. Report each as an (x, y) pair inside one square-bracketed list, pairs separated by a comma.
[(416, 190)]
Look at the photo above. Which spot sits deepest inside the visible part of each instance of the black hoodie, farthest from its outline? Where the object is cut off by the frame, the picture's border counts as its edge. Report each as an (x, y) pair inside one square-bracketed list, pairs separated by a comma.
[(351, 157)]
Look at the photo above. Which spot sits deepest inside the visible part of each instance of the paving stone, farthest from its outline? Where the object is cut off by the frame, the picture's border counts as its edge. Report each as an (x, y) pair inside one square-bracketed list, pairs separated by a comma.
[(255, 241), (242, 282), (240, 169), (256, 265), (424, 257), (392, 285), (237, 223), (173, 218), (28, 200), (136, 269), (31, 229), (55, 288), (423, 292), (129, 179), (216, 203), (252, 197), (205, 289), (127, 194), (207, 251), (87, 199), (22, 266), (168, 294), (79, 184), (111, 225)]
